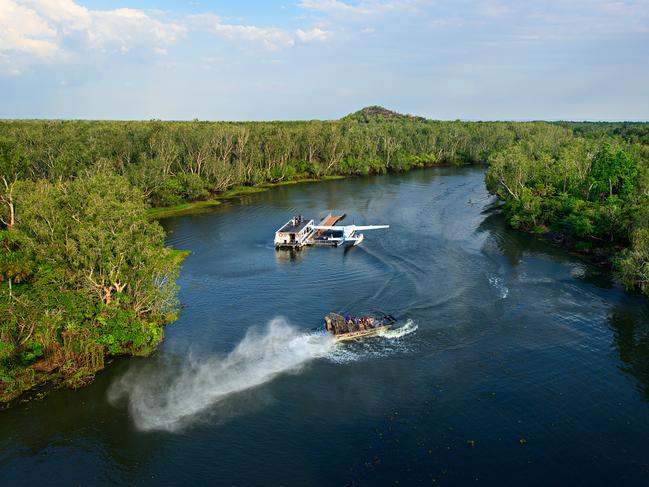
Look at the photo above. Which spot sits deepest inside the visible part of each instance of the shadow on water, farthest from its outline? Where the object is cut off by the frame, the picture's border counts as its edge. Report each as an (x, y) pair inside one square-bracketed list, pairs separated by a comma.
[(514, 245), (73, 429), (630, 327), (290, 256)]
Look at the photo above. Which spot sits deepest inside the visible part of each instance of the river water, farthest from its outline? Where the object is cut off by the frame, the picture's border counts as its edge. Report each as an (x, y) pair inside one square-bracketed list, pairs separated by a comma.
[(516, 363)]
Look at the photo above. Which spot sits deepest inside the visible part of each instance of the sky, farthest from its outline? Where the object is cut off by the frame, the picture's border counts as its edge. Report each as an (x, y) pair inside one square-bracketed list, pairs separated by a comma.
[(322, 59)]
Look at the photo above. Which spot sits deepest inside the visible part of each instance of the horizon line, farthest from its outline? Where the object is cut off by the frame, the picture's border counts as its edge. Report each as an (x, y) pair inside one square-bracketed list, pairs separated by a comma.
[(472, 120)]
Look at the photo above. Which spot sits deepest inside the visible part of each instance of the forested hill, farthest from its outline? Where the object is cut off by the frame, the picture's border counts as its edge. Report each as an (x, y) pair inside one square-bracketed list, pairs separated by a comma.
[(84, 274), (377, 113)]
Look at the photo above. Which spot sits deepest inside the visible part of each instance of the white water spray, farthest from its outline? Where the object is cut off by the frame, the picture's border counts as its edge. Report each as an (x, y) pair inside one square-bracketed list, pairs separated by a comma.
[(159, 401), (171, 398)]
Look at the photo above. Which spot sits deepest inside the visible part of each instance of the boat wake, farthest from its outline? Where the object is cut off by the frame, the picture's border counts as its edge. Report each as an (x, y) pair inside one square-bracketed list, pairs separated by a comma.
[(384, 344), (172, 397), (498, 283)]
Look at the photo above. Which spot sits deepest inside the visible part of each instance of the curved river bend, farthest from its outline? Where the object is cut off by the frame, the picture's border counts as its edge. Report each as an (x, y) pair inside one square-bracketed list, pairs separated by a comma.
[(518, 363)]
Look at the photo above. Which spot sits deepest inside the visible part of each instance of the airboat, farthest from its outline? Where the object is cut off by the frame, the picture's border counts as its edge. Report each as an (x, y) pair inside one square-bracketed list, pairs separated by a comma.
[(354, 327)]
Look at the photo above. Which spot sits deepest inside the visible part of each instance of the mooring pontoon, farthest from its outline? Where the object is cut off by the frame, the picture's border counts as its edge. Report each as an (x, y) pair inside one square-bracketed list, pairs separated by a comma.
[(294, 233)]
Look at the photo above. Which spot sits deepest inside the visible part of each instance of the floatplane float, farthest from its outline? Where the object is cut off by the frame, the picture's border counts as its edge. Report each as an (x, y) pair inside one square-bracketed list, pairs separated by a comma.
[(298, 232)]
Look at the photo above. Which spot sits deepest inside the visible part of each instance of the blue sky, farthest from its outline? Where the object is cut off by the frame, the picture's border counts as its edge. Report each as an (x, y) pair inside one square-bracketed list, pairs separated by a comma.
[(305, 59)]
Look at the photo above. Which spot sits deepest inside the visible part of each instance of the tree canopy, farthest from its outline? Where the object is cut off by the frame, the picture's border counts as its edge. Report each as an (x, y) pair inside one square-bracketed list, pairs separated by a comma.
[(84, 274)]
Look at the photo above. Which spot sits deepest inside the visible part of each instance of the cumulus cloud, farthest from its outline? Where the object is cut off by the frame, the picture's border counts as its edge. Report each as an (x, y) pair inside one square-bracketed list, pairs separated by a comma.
[(65, 12), (313, 35), (127, 27), (50, 29), (23, 30), (272, 38), (335, 6), (363, 8)]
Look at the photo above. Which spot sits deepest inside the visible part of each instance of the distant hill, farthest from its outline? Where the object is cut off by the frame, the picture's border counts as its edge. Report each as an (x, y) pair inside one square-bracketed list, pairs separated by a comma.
[(378, 113)]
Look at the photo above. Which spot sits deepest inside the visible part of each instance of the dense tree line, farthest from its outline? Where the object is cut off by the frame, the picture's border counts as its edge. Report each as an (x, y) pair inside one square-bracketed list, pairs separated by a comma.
[(85, 275), (590, 192), (175, 161)]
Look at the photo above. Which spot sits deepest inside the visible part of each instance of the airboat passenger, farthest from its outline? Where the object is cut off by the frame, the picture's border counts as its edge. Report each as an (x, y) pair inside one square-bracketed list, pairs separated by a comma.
[(329, 326)]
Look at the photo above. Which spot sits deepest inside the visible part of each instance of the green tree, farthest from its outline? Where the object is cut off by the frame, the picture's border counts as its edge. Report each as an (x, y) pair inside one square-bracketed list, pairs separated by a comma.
[(612, 173), (97, 230)]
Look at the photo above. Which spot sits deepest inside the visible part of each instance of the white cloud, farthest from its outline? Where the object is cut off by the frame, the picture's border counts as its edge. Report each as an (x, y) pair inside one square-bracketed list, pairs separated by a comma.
[(125, 28), (64, 12), (334, 6), (48, 29), (33, 30), (271, 38), (340, 8), (313, 35), (24, 31)]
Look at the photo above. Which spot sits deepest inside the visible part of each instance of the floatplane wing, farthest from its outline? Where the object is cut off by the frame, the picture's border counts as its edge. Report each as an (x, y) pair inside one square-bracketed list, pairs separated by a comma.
[(349, 232), (350, 228), (337, 228), (371, 227)]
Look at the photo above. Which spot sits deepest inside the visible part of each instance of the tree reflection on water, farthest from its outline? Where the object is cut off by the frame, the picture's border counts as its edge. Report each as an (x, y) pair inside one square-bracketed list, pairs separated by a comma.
[(631, 339)]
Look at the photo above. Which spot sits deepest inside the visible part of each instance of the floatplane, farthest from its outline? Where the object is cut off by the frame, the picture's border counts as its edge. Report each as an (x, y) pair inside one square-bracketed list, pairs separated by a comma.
[(299, 232), (349, 235)]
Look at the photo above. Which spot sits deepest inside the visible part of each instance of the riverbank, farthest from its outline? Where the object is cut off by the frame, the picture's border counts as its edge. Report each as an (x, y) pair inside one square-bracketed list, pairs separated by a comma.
[(594, 201), (74, 365), (193, 207)]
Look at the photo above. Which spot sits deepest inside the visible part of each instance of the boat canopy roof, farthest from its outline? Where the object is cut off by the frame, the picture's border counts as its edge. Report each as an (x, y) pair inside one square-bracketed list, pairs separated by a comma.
[(295, 226)]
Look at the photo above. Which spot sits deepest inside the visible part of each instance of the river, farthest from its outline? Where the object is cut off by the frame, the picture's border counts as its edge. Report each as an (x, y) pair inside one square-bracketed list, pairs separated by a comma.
[(517, 363)]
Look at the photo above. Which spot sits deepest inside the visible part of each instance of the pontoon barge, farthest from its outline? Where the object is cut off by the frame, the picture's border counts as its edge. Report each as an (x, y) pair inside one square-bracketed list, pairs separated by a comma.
[(299, 231)]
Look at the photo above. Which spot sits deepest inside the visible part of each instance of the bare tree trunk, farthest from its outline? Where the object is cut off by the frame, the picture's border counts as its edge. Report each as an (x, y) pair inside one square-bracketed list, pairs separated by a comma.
[(8, 199)]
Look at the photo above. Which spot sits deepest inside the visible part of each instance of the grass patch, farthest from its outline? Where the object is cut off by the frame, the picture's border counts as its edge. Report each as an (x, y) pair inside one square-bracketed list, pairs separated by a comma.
[(178, 256), (233, 192), (298, 181), (182, 209)]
